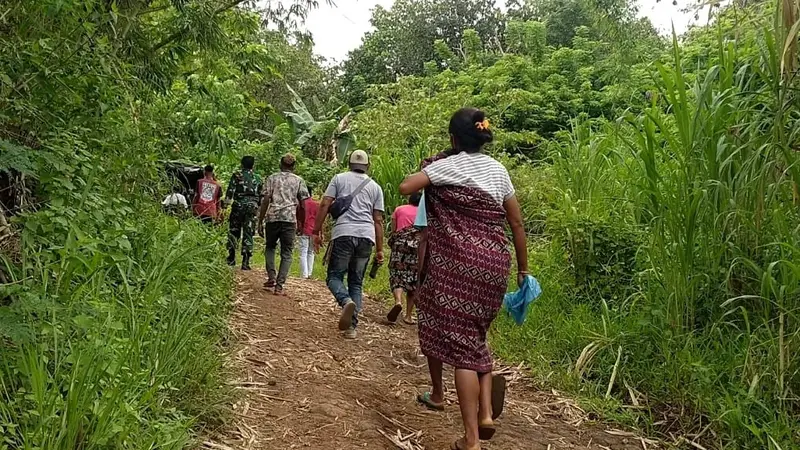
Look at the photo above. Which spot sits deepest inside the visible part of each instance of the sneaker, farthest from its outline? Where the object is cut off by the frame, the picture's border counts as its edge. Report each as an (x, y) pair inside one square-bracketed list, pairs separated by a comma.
[(350, 333), (346, 319)]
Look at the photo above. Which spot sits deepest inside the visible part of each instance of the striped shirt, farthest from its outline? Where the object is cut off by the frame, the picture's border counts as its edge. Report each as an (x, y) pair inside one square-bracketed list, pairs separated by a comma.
[(474, 170)]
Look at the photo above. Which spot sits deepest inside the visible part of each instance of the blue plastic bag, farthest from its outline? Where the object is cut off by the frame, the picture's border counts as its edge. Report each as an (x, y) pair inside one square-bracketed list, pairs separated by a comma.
[(421, 221), (516, 303)]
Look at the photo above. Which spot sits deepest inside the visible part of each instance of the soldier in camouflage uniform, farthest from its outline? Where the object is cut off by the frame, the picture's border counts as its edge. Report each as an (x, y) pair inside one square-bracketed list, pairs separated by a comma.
[(244, 191)]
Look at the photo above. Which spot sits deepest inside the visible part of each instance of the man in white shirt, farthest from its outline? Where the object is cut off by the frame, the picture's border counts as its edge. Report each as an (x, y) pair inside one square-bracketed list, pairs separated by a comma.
[(175, 202), (354, 235)]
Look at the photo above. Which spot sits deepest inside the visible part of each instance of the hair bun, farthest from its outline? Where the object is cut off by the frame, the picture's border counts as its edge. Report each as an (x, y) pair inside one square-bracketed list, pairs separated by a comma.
[(483, 133), (470, 128), (485, 136)]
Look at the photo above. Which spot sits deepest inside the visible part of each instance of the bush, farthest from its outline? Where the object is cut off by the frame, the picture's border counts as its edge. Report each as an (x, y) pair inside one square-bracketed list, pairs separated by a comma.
[(112, 335), (602, 254)]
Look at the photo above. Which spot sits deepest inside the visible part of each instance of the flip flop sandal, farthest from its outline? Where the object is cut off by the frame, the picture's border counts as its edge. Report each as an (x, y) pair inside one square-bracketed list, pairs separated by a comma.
[(498, 395), (456, 445), (409, 322), (425, 399), (279, 291), (394, 313), (486, 431), (269, 284)]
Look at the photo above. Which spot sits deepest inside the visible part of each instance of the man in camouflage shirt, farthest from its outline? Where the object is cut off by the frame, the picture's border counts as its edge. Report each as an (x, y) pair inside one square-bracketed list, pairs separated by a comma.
[(244, 191), (282, 206)]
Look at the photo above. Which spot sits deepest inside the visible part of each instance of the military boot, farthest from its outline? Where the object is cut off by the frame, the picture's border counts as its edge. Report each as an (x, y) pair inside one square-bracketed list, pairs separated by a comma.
[(245, 261), (231, 257)]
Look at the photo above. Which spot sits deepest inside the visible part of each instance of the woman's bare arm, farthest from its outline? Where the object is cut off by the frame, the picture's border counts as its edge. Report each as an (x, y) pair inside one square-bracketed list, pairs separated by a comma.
[(514, 217), (414, 183)]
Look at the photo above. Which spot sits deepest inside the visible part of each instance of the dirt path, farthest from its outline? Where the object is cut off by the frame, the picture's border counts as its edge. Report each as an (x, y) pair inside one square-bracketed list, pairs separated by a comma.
[(307, 387)]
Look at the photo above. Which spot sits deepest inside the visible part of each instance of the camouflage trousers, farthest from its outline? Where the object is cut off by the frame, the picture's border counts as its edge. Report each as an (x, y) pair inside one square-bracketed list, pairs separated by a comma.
[(241, 225)]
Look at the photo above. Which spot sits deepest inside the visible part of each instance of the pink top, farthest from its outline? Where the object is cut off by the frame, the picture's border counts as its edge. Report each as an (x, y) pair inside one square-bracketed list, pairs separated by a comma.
[(404, 216), (310, 207)]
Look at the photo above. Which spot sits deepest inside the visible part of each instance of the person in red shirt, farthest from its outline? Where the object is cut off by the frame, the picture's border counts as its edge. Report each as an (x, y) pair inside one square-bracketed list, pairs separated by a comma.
[(307, 250), (206, 203)]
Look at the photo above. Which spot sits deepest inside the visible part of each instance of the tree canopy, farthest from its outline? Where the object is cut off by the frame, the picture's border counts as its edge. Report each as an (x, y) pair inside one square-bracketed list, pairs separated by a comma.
[(405, 36)]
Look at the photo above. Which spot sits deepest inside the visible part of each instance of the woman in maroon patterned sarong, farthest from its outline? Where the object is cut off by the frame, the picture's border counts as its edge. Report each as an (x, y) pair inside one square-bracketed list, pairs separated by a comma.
[(469, 198)]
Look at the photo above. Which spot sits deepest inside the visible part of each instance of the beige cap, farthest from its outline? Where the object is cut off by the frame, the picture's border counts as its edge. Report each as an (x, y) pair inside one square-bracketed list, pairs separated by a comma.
[(359, 157)]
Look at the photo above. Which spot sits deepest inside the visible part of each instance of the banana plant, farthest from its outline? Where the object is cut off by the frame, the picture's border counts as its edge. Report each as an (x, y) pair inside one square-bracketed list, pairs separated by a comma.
[(333, 136)]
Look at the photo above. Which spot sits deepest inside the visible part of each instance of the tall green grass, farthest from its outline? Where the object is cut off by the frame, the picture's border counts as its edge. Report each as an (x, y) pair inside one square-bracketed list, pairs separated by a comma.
[(389, 169), (112, 331), (695, 197)]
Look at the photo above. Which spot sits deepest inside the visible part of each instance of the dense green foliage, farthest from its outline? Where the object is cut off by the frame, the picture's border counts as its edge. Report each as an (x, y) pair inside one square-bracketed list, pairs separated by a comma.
[(658, 180), (661, 198), (113, 315), (412, 32)]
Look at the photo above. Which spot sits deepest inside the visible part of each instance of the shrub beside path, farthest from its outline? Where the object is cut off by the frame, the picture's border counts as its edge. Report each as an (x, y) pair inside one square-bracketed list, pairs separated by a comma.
[(304, 386)]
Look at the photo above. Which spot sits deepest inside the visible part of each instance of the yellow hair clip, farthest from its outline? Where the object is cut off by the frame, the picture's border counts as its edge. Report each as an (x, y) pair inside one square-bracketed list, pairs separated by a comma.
[(482, 125)]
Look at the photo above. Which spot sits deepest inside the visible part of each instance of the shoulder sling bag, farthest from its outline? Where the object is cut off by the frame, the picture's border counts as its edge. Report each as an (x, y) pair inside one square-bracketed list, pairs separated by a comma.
[(342, 204)]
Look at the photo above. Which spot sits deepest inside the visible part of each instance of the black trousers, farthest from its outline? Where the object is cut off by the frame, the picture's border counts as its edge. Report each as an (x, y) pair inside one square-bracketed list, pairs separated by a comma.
[(283, 233)]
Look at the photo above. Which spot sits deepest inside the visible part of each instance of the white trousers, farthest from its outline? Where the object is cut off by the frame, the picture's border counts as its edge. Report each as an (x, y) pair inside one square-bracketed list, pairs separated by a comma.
[(306, 256)]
